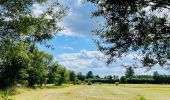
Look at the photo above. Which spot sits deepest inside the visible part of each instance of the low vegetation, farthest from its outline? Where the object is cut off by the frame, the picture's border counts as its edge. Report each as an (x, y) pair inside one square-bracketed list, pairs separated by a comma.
[(95, 92)]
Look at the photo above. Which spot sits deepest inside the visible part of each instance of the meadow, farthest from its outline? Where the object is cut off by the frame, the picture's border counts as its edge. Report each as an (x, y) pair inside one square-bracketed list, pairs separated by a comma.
[(96, 92)]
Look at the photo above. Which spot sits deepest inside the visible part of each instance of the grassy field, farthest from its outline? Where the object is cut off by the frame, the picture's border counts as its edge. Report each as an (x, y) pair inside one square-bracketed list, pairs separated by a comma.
[(97, 92)]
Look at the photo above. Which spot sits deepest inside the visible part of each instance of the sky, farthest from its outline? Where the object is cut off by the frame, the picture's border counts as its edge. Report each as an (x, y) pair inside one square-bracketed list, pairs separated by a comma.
[(75, 49)]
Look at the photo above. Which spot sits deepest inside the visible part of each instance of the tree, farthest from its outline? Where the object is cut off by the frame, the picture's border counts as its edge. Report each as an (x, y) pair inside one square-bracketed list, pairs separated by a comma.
[(80, 76), (58, 74), (19, 29), (122, 79), (62, 75), (96, 77), (73, 77), (156, 77), (18, 22), (134, 25), (40, 62), (89, 75), (129, 72), (109, 77), (13, 66)]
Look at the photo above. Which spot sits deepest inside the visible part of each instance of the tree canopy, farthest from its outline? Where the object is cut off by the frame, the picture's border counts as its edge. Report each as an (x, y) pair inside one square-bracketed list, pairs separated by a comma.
[(135, 26), (20, 31), (129, 72), (89, 74)]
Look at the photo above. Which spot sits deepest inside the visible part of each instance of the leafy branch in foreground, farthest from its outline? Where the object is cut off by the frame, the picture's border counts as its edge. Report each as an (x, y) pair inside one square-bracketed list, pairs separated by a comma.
[(135, 26)]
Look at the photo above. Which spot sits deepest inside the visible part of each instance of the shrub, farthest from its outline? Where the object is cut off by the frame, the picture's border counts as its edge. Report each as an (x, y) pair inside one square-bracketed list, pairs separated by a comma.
[(84, 82), (116, 83), (139, 80), (89, 83), (123, 79), (78, 82), (142, 98), (111, 81), (6, 95)]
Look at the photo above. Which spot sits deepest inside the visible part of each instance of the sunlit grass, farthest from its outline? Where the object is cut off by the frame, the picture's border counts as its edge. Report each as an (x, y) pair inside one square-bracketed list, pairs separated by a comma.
[(96, 92)]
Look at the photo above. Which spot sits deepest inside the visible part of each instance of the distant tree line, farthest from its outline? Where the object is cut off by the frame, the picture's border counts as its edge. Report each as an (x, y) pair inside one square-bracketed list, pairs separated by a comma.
[(156, 78), (129, 78)]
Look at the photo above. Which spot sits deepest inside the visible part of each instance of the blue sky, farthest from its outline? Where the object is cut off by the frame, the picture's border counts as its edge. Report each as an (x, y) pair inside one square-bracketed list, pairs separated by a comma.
[(74, 46)]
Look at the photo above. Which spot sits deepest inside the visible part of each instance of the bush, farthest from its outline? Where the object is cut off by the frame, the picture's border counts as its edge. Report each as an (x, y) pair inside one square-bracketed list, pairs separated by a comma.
[(6, 95), (78, 82), (84, 82), (142, 98), (108, 81), (116, 83), (89, 83), (140, 80), (123, 79)]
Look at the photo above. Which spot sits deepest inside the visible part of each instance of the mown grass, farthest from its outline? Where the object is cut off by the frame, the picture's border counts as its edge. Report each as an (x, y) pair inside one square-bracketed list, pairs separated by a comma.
[(95, 92)]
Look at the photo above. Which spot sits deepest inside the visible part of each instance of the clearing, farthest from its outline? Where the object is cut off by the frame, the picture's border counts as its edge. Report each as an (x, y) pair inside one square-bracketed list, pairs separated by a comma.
[(98, 92)]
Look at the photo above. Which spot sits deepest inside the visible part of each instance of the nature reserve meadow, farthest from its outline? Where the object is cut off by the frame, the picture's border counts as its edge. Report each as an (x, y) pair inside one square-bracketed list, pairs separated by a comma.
[(96, 92), (84, 49)]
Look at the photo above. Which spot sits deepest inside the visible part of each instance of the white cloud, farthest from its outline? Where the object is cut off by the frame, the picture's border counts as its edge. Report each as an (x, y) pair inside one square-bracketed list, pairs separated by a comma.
[(82, 61), (95, 61), (85, 60), (83, 54), (78, 22), (37, 10), (79, 2), (70, 48), (67, 31)]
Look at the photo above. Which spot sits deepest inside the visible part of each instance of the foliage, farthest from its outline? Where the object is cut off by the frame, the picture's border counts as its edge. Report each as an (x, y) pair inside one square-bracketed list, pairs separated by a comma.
[(73, 77), (142, 98), (89, 83), (20, 31), (129, 72), (140, 80), (116, 83), (18, 22), (80, 76), (39, 67), (79, 81), (89, 75), (14, 65), (156, 78), (134, 25), (6, 94), (102, 80), (58, 74), (122, 79)]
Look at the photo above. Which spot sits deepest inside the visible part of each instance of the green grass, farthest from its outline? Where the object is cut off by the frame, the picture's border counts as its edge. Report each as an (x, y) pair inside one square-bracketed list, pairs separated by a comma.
[(96, 92)]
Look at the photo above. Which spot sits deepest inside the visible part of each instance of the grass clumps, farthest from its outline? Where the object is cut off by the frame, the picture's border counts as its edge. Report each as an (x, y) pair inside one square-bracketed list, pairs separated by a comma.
[(142, 98), (6, 94)]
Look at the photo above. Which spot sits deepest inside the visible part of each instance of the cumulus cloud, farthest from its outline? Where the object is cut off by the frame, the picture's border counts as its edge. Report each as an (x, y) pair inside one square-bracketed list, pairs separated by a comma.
[(78, 22), (95, 61), (85, 60), (67, 30), (79, 2), (83, 54), (82, 60)]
